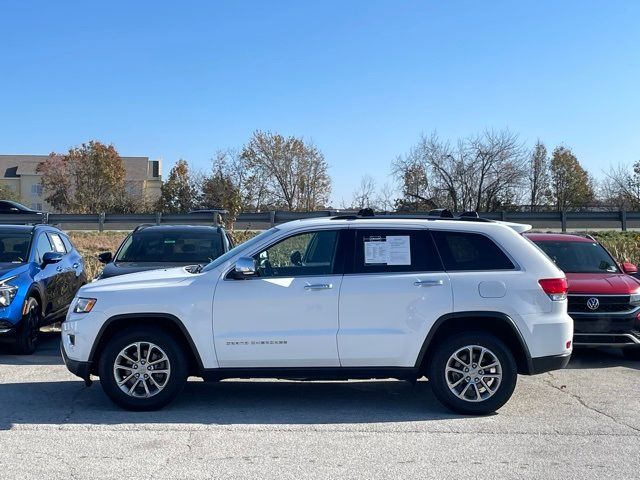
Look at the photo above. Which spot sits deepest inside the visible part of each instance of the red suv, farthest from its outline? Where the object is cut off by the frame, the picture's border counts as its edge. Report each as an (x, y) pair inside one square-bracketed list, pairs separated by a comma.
[(604, 299)]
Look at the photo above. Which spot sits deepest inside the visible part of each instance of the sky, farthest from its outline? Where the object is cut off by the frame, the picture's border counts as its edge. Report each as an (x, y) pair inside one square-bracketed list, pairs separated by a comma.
[(361, 79)]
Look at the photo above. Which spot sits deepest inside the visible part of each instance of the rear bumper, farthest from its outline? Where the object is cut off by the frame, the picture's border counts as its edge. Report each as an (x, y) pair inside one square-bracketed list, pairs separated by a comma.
[(549, 363), (78, 368), (606, 329)]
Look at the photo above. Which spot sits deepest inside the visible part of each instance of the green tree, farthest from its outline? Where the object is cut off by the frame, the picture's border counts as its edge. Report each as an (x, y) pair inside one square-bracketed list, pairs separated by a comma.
[(87, 179), (8, 193), (287, 171), (571, 185), (179, 193), (538, 176), (218, 191)]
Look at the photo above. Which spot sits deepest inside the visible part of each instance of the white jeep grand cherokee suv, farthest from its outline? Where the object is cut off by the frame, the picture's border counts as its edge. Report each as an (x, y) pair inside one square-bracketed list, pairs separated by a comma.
[(466, 302)]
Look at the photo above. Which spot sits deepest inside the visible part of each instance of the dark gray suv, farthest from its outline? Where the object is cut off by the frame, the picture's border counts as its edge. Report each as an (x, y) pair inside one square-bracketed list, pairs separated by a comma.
[(150, 247)]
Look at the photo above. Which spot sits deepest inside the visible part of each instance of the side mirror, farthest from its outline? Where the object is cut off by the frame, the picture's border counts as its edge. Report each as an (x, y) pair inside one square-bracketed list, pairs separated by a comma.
[(51, 257), (629, 268), (105, 257), (245, 266)]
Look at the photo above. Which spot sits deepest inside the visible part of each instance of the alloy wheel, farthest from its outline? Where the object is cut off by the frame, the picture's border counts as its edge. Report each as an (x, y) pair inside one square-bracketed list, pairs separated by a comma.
[(473, 373), (142, 369)]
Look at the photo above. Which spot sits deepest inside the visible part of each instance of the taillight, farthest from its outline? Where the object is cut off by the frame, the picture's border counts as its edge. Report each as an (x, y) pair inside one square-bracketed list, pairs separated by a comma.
[(556, 288)]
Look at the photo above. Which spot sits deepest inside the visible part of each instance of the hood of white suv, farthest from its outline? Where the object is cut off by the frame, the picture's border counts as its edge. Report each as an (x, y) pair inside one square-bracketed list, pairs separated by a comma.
[(147, 279)]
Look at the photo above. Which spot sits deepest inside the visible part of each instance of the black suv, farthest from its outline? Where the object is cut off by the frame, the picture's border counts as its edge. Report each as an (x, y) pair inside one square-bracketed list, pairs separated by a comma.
[(151, 247)]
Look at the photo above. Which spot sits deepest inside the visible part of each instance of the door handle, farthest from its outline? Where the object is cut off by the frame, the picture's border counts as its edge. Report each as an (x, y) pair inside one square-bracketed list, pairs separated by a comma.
[(318, 286), (76, 265), (59, 269), (428, 283)]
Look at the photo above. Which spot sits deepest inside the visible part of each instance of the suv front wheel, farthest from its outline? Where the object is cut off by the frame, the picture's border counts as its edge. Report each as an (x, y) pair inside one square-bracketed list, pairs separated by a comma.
[(142, 369), (473, 373)]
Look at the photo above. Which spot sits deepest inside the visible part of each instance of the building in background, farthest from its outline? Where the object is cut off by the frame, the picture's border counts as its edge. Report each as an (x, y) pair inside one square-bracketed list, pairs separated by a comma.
[(143, 177)]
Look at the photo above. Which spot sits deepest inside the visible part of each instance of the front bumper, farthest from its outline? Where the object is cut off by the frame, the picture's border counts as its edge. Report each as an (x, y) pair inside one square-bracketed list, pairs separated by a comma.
[(607, 329), (7, 331), (78, 368)]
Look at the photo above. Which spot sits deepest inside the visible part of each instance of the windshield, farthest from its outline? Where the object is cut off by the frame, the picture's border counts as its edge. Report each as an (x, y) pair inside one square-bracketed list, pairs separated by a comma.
[(14, 247), (171, 247), (235, 250), (579, 257)]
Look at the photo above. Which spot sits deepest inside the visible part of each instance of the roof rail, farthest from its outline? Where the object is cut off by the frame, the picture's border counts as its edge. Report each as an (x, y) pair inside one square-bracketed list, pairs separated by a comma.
[(438, 214)]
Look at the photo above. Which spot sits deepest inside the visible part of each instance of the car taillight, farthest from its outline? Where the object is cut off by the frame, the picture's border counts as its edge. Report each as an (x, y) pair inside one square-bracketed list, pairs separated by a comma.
[(556, 288)]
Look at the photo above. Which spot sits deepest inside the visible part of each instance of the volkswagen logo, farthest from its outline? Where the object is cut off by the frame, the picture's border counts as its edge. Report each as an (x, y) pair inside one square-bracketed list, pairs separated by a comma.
[(593, 303)]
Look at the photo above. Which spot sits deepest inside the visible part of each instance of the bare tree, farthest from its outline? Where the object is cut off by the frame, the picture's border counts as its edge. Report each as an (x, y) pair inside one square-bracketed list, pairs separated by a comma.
[(364, 195), (385, 198), (621, 187), (483, 172)]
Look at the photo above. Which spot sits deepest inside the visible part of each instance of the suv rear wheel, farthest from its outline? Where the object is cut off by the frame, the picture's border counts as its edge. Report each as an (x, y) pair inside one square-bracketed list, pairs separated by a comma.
[(142, 369), (473, 373)]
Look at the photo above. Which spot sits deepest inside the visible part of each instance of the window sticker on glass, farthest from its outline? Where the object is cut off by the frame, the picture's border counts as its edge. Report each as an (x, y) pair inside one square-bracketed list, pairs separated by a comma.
[(375, 250), (389, 250)]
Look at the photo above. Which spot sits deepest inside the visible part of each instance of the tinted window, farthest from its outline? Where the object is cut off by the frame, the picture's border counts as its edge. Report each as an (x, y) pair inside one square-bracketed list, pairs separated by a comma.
[(43, 246), (390, 250), (14, 247), (470, 251), (67, 243), (311, 253), (579, 257), (171, 247)]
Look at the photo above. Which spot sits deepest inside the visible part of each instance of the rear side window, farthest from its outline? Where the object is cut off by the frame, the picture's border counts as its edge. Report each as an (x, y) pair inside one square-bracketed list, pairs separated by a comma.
[(395, 251), (470, 251), (57, 243), (67, 243)]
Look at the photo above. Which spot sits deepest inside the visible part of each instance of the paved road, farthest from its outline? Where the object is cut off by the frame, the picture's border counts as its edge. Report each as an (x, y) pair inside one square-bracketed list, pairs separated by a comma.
[(582, 422)]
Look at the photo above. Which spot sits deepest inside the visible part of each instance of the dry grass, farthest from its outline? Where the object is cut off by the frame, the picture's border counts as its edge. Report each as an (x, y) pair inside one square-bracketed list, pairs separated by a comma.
[(624, 246), (90, 244)]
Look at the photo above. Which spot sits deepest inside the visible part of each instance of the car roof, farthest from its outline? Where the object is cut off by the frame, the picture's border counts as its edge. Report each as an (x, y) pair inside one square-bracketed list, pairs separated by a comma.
[(27, 228), (464, 224), (16, 228), (176, 228), (558, 237)]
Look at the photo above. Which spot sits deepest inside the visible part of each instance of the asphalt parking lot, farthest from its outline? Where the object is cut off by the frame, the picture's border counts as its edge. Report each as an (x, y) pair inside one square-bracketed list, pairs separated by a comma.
[(581, 422)]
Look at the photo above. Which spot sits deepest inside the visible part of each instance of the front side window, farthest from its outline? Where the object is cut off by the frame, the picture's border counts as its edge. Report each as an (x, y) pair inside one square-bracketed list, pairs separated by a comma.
[(464, 251), (171, 247), (311, 253), (579, 257), (43, 246), (14, 247)]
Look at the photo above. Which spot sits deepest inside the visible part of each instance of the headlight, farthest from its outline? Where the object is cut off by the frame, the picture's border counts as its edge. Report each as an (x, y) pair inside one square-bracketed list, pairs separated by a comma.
[(84, 305), (7, 293)]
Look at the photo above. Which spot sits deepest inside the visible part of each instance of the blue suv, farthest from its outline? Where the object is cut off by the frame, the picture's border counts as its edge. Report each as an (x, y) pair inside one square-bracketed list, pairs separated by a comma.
[(40, 273)]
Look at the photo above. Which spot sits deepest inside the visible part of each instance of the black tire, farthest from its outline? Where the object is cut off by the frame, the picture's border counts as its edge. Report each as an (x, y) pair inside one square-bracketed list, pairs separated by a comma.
[(632, 353), (28, 331), (438, 380), (175, 380)]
